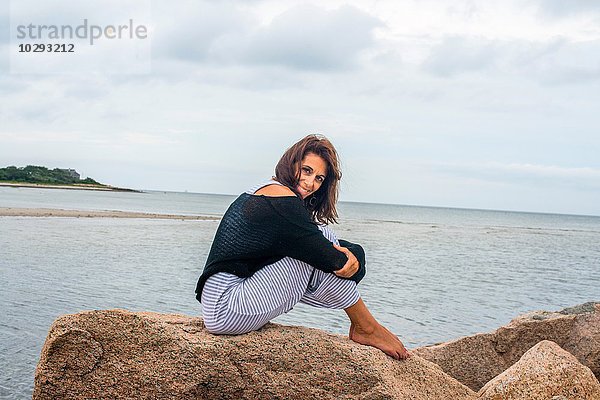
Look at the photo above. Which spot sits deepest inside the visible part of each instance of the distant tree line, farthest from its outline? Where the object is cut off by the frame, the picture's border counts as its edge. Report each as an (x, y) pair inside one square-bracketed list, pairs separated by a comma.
[(37, 174)]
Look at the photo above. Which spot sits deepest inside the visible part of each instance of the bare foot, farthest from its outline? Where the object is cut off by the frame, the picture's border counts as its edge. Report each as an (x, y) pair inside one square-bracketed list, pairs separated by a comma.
[(380, 338)]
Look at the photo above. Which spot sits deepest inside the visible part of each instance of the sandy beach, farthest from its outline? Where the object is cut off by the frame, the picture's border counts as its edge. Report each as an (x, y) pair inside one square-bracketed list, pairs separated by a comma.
[(51, 212), (69, 187)]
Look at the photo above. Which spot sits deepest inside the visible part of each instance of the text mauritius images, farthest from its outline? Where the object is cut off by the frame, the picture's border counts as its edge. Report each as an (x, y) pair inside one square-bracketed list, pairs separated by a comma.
[(83, 31)]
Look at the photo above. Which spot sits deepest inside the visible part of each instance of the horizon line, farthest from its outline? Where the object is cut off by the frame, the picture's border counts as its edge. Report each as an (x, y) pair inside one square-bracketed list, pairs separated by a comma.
[(399, 204)]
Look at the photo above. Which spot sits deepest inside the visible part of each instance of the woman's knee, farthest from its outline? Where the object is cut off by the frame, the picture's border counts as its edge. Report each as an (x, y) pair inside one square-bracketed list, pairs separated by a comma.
[(338, 288)]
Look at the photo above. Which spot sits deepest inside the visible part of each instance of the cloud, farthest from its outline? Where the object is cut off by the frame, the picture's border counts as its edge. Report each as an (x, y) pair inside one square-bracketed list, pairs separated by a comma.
[(585, 178), (190, 32), (555, 61), (40, 136), (304, 37), (561, 8), (564, 62), (4, 24), (89, 91), (457, 55), (148, 139), (498, 83), (310, 38), (71, 12), (4, 41)]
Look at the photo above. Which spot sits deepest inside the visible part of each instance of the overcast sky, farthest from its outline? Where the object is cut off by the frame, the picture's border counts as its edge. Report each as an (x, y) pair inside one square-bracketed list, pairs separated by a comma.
[(475, 104)]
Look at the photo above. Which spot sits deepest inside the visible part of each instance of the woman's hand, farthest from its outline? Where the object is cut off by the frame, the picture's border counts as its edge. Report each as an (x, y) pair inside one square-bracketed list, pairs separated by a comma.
[(351, 266)]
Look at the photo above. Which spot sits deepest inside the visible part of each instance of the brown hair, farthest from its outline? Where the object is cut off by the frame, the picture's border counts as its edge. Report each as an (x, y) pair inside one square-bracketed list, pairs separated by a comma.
[(322, 203)]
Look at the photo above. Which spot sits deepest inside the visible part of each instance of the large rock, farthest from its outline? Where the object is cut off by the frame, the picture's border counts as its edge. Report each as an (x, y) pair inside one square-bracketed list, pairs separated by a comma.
[(475, 360), (544, 372), (119, 354)]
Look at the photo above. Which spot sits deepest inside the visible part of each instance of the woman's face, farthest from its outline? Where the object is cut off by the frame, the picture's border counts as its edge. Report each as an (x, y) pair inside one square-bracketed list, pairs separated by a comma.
[(313, 170)]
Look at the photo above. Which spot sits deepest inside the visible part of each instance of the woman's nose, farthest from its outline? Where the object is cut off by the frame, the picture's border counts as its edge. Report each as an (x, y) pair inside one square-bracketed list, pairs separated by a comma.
[(309, 180)]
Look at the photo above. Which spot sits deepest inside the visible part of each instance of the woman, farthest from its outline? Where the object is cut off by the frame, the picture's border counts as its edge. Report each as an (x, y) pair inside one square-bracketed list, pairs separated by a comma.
[(273, 250)]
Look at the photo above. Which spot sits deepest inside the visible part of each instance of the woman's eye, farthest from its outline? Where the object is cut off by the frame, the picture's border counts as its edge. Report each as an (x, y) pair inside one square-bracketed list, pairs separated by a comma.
[(305, 169), (320, 179)]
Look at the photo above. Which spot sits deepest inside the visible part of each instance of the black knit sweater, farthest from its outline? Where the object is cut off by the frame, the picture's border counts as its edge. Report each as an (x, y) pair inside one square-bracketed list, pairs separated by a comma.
[(259, 230)]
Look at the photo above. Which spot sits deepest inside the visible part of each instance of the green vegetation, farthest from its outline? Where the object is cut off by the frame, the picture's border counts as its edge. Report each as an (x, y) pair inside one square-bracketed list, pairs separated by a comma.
[(43, 175)]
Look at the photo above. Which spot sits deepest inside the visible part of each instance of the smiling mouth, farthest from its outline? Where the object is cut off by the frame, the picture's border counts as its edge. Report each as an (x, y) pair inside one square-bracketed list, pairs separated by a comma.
[(304, 191)]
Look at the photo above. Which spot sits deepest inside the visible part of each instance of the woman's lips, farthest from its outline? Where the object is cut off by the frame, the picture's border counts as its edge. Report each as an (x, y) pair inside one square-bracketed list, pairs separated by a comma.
[(303, 191)]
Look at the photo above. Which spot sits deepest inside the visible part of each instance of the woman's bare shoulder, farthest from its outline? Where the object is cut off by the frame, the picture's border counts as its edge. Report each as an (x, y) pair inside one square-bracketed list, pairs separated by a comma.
[(275, 190)]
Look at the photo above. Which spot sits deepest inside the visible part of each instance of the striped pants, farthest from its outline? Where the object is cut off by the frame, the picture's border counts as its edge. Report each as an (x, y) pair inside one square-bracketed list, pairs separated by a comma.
[(232, 305)]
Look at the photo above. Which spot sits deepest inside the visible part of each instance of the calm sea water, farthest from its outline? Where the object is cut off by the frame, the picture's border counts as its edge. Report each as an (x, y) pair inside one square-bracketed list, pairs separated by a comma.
[(433, 273)]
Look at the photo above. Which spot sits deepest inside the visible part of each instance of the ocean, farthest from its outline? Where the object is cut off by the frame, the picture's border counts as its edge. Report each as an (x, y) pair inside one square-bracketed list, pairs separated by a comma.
[(433, 274)]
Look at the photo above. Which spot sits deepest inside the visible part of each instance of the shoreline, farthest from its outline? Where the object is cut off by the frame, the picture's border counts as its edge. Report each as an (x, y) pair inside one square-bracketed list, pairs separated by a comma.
[(56, 212), (68, 187)]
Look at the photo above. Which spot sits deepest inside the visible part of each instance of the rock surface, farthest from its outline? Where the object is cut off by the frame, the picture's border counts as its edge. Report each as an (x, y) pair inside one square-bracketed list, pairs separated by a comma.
[(475, 360), (544, 372), (119, 354)]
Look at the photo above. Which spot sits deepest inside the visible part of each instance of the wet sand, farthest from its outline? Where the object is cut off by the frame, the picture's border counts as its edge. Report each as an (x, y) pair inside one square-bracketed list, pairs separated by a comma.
[(68, 187), (51, 212)]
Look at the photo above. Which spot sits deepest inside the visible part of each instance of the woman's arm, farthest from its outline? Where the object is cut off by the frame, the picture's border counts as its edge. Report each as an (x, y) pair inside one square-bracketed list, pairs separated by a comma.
[(359, 253), (351, 266), (300, 238)]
